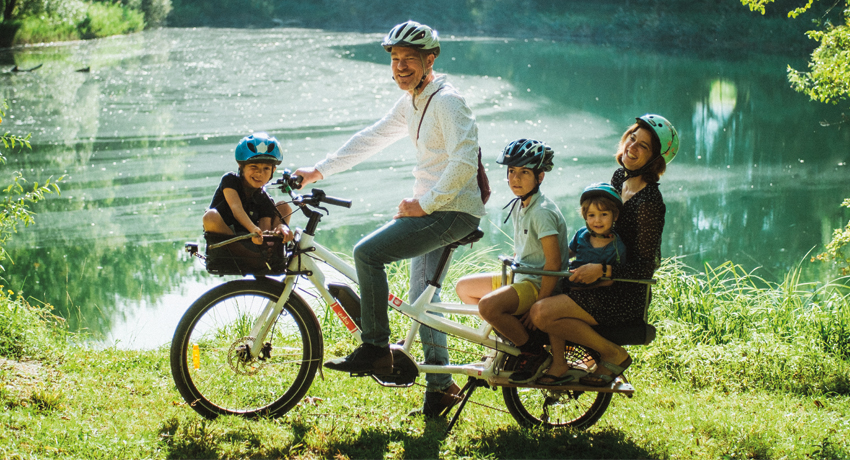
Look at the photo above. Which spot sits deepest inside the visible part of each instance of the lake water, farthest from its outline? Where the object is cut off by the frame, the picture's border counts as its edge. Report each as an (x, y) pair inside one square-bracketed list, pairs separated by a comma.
[(143, 137)]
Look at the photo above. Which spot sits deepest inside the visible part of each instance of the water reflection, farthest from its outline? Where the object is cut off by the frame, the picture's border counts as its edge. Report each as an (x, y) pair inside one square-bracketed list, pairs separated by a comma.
[(144, 137)]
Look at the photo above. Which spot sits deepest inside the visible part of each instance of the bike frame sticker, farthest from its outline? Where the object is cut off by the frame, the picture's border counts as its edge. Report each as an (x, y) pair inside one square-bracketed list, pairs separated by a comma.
[(395, 300), (343, 316)]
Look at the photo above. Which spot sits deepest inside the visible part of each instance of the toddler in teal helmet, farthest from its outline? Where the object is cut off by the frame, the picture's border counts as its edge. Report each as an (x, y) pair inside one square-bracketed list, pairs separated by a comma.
[(241, 204), (597, 242)]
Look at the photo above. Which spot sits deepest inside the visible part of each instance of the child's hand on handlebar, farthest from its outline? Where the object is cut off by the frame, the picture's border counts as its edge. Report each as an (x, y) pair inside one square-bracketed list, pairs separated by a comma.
[(258, 235), (309, 176), (586, 274), (284, 233)]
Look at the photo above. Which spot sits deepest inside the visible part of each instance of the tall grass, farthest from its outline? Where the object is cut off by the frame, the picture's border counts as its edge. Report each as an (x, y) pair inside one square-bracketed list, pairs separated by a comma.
[(732, 329), (27, 330)]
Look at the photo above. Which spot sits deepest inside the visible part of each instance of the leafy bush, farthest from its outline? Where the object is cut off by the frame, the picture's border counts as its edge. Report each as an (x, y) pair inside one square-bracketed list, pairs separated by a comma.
[(106, 19), (838, 250), (14, 209), (37, 29)]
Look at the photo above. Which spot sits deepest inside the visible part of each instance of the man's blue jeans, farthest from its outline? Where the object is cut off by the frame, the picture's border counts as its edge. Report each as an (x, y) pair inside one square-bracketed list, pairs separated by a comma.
[(420, 239)]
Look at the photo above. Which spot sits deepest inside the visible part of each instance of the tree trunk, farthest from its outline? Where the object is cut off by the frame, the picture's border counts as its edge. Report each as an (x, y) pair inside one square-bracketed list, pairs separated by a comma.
[(10, 7)]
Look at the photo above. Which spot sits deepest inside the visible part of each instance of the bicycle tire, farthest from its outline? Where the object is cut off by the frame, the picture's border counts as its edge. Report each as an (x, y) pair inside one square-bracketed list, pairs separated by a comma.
[(205, 352), (551, 408)]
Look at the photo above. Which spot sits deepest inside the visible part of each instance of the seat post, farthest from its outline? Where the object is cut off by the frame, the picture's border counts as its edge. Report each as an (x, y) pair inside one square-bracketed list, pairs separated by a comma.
[(441, 266)]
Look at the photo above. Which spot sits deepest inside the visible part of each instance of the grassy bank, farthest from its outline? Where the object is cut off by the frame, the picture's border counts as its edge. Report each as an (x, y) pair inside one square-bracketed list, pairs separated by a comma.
[(741, 368), (65, 20)]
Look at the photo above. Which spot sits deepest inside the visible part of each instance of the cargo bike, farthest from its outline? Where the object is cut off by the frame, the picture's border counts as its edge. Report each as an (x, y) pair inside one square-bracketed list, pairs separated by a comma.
[(252, 347)]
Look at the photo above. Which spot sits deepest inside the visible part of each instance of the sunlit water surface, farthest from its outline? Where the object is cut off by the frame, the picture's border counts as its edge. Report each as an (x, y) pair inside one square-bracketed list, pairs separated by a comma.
[(143, 137)]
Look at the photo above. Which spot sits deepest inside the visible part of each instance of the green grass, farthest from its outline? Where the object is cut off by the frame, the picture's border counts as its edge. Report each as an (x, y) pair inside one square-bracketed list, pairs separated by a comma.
[(741, 368)]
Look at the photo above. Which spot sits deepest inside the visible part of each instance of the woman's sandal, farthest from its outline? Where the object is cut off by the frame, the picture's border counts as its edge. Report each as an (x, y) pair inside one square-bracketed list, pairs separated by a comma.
[(569, 376), (601, 380)]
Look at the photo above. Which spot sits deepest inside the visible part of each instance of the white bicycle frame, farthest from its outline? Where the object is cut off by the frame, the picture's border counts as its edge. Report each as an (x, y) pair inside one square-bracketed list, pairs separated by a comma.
[(422, 312)]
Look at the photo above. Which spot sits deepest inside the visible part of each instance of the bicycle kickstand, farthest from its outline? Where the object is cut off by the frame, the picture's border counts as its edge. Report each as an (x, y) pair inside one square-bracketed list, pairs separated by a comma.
[(466, 391)]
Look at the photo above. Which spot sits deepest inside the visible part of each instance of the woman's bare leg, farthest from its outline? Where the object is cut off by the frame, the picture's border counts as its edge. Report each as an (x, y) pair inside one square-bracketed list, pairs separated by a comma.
[(561, 317)]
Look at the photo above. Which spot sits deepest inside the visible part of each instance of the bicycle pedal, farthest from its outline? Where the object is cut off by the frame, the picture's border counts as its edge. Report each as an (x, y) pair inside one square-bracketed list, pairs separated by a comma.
[(381, 371)]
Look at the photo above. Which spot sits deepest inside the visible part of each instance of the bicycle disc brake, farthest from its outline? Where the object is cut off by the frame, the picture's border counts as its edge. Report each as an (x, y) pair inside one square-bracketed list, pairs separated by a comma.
[(239, 357)]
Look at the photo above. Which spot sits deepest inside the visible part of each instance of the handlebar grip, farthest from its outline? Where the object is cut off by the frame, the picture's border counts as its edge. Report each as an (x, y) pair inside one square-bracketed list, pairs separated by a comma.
[(336, 201), (295, 182)]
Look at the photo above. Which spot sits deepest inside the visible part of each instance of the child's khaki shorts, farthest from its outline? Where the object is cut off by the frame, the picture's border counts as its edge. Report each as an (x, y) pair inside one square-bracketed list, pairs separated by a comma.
[(526, 290)]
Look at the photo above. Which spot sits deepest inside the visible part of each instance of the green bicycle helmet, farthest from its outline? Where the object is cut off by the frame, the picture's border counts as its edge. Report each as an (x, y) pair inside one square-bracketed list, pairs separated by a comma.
[(667, 136)]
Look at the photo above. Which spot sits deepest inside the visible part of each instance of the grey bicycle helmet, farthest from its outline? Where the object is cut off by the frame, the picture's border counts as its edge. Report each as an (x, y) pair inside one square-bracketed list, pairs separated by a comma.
[(412, 34), (527, 153)]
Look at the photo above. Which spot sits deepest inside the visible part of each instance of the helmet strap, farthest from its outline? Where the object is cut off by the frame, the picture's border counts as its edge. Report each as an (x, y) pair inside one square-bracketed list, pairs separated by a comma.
[(520, 199), (600, 235), (640, 171)]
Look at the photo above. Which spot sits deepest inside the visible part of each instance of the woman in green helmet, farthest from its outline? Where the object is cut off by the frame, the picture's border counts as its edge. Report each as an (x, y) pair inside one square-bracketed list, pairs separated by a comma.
[(644, 151)]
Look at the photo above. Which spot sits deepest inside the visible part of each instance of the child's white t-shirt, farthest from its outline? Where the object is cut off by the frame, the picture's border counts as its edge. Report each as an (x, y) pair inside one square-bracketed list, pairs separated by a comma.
[(541, 218)]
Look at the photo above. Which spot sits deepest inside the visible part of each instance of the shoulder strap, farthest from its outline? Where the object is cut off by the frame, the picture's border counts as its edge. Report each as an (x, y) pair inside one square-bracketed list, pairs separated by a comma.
[(419, 128)]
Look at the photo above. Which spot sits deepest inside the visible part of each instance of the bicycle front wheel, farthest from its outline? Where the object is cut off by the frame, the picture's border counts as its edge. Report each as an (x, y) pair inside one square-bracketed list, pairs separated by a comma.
[(214, 370)]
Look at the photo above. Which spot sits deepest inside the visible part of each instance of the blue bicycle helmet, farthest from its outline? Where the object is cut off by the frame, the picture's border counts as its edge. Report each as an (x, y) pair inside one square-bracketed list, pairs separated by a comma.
[(602, 189), (527, 153), (258, 148)]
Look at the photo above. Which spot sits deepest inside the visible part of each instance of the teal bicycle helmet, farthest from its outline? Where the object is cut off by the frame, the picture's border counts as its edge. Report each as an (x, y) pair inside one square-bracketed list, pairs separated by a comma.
[(667, 136), (602, 189), (258, 148), (528, 153)]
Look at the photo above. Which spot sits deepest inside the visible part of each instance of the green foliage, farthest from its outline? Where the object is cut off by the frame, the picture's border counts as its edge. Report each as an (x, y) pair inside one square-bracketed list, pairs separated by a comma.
[(28, 330), (106, 19), (39, 21), (732, 330), (828, 78), (838, 250), (14, 209), (155, 11)]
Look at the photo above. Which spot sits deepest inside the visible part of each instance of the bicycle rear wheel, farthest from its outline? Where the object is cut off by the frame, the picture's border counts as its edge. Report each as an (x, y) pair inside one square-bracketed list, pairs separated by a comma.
[(209, 363), (555, 408)]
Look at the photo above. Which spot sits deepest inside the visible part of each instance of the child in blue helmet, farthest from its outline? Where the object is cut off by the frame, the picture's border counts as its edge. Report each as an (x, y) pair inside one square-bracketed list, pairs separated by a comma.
[(540, 241), (240, 204)]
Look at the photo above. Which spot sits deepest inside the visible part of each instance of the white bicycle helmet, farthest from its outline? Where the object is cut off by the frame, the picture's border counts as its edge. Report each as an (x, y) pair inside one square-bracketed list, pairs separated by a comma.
[(412, 34)]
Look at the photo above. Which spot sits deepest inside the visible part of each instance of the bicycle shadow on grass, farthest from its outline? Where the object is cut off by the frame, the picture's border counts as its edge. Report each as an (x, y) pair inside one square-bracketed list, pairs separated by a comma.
[(512, 442)]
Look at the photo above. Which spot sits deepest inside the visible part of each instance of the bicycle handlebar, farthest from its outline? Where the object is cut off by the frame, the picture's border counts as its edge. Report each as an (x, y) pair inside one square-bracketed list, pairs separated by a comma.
[(289, 183), (516, 268)]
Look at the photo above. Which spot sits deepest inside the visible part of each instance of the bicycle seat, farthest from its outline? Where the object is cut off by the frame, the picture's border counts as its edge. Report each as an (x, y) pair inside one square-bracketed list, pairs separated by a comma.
[(473, 237)]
